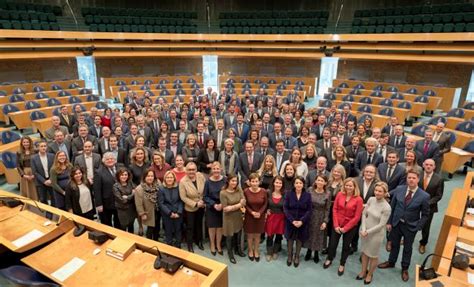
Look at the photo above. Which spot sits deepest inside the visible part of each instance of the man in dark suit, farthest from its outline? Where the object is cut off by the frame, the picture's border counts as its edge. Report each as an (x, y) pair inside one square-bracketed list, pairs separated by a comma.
[(129, 142), (433, 184), (410, 212), (269, 109), (343, 138), (155, 126), (167, 154), (267, 126), (280, 155), (96, 129), (289, 124), (88, 161), (144, 130), (444, 142), (369, 156), (41, 164), (104, 180), (353, 149), (104, 141), (77, 144), (346, 115), (66, 119), (249, 162), (290, 140), (383, 148), (390, 128), (276, 135), (427, 148), (174, 145), (241, 128), (220, 134), (230, 118), (173, 121), (319, 127), (117, 151), (397, 140), (409, 146), (264, 148), (324, 144), (60, 144), (201, 136), (321, 164), (391, 172)]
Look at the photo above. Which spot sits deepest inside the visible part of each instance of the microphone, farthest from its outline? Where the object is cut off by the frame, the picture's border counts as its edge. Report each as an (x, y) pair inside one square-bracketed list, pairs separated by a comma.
[(79, 230), (170, 263), (430, 273), (14, 201)]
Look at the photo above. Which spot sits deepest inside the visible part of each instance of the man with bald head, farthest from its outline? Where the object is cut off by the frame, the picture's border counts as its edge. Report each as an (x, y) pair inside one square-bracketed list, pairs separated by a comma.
[(409, 146), (433, 184), (56, 122), (397, 140)]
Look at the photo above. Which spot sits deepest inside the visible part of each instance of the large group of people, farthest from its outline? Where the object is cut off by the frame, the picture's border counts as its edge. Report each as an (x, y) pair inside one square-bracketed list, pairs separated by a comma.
[(250, 166)]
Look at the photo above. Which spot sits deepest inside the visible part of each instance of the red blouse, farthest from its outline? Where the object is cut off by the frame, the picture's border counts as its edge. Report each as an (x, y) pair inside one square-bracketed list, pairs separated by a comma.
[(106, 122), (347, 214)]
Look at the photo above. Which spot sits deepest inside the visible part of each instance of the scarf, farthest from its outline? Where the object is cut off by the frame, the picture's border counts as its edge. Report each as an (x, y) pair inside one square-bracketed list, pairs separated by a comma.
[(150, 193), (228, 169)]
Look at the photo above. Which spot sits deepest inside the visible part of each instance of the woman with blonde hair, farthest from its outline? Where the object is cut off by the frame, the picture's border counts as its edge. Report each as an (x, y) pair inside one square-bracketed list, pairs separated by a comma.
[(171, 208), (60, 175), (372, 231), (338, 156), (23, 165), (229, 158), (336, 179), (411, 162), (212, 190), (159, 165), (346, 213), (296, 160), (267, 171), (311, 156), (190, 151)]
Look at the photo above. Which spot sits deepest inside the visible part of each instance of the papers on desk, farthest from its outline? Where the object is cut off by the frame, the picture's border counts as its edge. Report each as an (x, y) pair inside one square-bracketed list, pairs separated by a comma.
[(470, 211), (68, 269), (465, 248), (27, 238), (470, 278), (470, 223)]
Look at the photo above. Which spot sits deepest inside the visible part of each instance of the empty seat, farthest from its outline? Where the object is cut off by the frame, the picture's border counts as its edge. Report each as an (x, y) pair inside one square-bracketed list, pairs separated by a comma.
[(36, 115), (469, 106), (386, 112), (74, 100), (359, 86), (40, 96), (412, 91), (348, 98), (53, 102), (164, 92), (457, 113), (419, 130), (378, 88), (92, 98), (429, 93), (355, 92), (467, 127), (366, 100), (330, 96), (85, 91), (437, 119), (38, 89), (101, 105), (343, 85), (63, 93), (365, 109), (9, 108), (396, 96), (421, 99), (404, 105), (73, 86), (376, 94), (32, 105), (134, 83), (362, 119), (16, 98), (56, 87), (9, 136), (392, 89), (326, 103), (386, 102)]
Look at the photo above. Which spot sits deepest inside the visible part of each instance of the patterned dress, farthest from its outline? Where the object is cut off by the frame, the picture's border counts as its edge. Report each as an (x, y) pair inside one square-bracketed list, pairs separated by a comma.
[(321, 203)]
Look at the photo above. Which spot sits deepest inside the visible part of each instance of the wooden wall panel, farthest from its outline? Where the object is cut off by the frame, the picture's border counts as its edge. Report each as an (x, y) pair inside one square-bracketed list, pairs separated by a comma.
[(41, 70), (449, 75)]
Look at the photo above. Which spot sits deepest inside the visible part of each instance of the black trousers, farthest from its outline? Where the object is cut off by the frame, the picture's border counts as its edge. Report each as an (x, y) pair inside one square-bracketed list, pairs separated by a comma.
[(355, 239), (398, 232), (194, 226), (173, 230), (425, 232), (45, 193), (346, 244), (274, 243), (109, 216), (153, 232)]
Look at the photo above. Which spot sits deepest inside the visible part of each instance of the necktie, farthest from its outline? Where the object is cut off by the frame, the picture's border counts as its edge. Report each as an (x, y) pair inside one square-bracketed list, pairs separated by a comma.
[(266, 127), (201, 140), (408, 197), (426, 181), (425, 148), (264, 152), (288, 143), (250, 159), (369, 160), (326, 144), (156, 126), (397, 142), (106, 144), (391, 131), (389, 172), (66, 118), (240, 130), (279, 161)]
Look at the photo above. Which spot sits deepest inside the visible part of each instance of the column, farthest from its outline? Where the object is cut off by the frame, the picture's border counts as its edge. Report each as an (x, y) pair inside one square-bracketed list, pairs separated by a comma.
[(210, 72), (470, 90), (327, 74), (87, 72)]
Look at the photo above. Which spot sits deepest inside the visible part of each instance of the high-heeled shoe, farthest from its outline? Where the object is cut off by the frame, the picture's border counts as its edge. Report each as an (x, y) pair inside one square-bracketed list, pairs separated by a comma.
[(288, 263), (200, 246), (220, 252), (359, 278), (326, 265), (257, 258), (213, 253), (368, 282), (251, 258), (307, 257), (339, 272), (296, 262)]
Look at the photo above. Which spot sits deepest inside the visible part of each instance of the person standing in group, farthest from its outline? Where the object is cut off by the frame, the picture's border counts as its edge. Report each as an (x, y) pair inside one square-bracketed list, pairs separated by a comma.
[(179, 170), (146, 199), (159, 165), (275, 223), (254, 223), (212, 190), (171, 208), (60, 175), (297, 208), (229, 158), (372, 231), (289, 175), (41, 164), (191, 191), (207, 156), (321, 201), (232, 200), (410, 212), (267, 171), (124, 192), (346, 213), (23, 165), (78, 196)]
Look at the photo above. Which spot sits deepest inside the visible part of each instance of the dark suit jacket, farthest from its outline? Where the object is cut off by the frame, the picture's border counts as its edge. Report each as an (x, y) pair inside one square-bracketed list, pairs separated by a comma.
[(245, 131), (93, 131), (129, 143), (102, 148), (311, 177), (387, 129), (204, 138), (318, 130), (227, 121), (444, 143), (403, 151), (80, 161), (38, 170), (399, 176), (203, 160), (435, 189), (244, 169), (320, 145), (147, 133), (173, 125), (269, 151), (63, 122), (370, 192), (77, 144), (361, 160), (415, 213), (433, 151), (72, 197), (350, 117), (391, 142), (346, 164), (350, 154), (103, 187), (53, 148), (286, 156), (388, 149)]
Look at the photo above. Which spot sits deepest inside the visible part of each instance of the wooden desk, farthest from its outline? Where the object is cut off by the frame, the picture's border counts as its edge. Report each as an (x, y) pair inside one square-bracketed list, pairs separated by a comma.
[(43, 102), (135, 270), (401, 114), (455, 159), (7, 212), (445, 280), (28, 87), (25, 221), (468, 114), (433, 102), (22, 119), (452, 122), (32, 95), (416, 111)]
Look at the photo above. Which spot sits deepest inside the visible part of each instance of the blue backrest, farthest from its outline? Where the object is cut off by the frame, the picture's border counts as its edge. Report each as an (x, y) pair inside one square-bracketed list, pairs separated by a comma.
[(419, 130), (32, 105), (36, 115), (9, 136), (9, 108), (9, 159)]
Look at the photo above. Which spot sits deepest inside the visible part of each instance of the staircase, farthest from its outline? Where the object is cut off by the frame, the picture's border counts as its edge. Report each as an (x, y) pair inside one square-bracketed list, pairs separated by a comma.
[(68, 23)]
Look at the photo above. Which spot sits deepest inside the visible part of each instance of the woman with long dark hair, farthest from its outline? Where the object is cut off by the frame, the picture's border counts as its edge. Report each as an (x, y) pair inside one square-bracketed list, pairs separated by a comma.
[(171, 208), (60, 175), (78, 196), (124, 192), (275, 223), (23, 165), (146, 199)]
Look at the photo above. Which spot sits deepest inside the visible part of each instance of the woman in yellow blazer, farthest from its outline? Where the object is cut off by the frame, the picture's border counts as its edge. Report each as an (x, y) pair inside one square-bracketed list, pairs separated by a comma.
[(191, 192)]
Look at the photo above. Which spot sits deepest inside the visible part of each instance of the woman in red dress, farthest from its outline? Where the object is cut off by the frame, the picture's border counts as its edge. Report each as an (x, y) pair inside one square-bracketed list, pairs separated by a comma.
[(254, 224), (275, 224), (107, 118)]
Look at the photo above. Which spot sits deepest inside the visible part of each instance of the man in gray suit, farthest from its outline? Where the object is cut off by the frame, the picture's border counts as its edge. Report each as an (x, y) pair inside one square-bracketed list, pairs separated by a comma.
[(49, 133), (219, 134), (321, 164), (444, 142), (60, 144), (77, 143), (88, 161)]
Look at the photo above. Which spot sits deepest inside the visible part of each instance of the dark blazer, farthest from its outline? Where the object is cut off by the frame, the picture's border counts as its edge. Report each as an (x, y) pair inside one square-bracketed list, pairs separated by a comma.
[(403, 151), (318, 130), (273, 138), (444, 143), (387, 129), (170, 201), (122, 157), (269, 151), (174, 125), (415, 213), (102, 148), (53, 148), (71, 119), (392, 139), (77, 144), (435, 189), (38, 170), (147, 133), (245, 131), (320, 145), (204, 139), (350, 154), (179, 149), (93, 131), (103, 187), (203, 160), (311, 177), (227, 121), (71, 199), (388, 149), (361, 160), (81, 162), (169, 157), (348, 118), (285, 157), (370, 192), (399, 176), (345, 163), (290, 143), (129, 143), (433, 151), (244, 169)]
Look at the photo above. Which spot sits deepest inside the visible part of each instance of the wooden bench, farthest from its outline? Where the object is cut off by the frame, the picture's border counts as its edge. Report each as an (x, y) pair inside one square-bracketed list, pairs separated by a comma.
[(28, 87)]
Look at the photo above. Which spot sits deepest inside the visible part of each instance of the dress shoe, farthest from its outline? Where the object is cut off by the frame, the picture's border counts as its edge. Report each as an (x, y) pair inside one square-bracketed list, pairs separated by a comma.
[(200, 246), (386, 265), (213, 253), (307, 257), (296, 263), (190, 248), (316, 258), (405, 275), (325, 251), (339, 271), (367, 282), (388, 246), (359, 278), (422, 249), (220, 252), (251, 258), (257, 258), (326, 265)]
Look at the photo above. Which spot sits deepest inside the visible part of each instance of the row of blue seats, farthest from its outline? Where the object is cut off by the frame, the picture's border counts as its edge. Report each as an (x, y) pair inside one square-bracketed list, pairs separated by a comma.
[(150, 82), (37, 89), (19, 98), (392, 89), (271, 81), (384, 102)]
